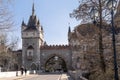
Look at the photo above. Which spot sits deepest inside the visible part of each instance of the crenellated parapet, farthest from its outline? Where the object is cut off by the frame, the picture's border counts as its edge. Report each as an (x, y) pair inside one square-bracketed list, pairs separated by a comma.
[(55, 47)]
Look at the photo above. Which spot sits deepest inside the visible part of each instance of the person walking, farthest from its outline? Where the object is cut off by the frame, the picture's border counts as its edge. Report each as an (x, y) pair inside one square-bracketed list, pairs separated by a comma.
[(22, 69), (16, 70), (25, 71)]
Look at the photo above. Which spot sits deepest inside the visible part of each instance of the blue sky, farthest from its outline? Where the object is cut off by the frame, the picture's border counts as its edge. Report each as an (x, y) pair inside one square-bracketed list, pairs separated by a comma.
[(53, 16)]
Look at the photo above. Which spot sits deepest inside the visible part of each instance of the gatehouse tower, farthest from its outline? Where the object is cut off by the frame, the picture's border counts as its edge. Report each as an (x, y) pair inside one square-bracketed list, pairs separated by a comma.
[(32, 39)]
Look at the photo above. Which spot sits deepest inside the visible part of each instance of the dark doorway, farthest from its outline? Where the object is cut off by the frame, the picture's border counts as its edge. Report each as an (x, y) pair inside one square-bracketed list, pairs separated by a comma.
[(55, 64), (16, 67), (33, 67)]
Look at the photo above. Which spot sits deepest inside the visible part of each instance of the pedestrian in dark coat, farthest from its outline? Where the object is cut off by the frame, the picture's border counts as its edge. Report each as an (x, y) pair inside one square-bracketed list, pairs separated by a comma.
[(25, 71), (22, 69)]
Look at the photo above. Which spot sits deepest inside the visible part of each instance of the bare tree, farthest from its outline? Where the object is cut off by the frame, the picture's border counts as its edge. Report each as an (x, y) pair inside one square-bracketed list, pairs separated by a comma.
[(6, 21), (7, 56), (13, 45), (84, 9)]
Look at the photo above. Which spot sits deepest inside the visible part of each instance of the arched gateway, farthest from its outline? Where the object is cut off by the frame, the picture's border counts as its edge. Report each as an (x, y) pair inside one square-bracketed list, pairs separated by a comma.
[(54, 64), (55, 58)]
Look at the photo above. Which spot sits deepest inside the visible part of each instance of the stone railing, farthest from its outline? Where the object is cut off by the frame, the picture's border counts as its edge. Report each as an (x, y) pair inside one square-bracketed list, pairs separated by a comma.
[(76, 75), (12, 74)]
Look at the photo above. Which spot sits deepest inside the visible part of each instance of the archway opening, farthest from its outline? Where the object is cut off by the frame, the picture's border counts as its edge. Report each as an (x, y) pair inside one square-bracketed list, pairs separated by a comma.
[(33, 66), (55, 64)]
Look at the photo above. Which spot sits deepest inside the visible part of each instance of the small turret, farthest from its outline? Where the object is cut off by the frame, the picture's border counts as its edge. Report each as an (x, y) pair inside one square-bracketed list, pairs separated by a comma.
[(23, 23), (38, 23), (69, 33), (42, 28), (69, 30)]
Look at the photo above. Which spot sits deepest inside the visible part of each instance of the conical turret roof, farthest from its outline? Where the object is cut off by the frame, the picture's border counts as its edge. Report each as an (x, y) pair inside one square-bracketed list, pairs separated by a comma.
[(33, 22)]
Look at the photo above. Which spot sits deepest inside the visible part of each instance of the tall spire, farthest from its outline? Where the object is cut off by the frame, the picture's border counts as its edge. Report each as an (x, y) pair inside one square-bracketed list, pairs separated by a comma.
[(33, 9), (69, 33), (69, 30)]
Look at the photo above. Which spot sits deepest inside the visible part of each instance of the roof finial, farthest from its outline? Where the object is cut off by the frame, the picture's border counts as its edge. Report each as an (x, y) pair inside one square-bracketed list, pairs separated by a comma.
[(33, 10)]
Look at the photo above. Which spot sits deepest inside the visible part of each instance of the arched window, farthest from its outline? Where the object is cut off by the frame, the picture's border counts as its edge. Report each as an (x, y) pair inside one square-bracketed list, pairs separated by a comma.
[(30, 52)]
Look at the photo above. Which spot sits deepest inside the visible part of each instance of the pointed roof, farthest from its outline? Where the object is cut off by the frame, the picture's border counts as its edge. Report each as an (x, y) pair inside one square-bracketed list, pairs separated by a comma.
[(42, 28), (33, 19), (38, 23), (33, 22), (23, 23)]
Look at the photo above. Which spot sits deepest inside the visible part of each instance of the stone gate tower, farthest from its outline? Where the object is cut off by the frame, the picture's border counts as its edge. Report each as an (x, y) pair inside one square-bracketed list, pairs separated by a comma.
[(32, 39)]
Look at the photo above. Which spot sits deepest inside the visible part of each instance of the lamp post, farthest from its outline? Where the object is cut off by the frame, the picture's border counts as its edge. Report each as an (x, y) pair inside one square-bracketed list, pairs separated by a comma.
[(97, 14), (111, 4), (39, 66)]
